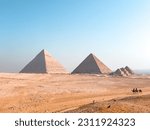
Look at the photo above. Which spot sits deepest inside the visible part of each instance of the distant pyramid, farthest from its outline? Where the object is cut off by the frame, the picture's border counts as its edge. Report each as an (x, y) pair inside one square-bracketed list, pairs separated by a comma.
[(129, 70), (92, 65), (43, 63), (119, 72), (123, 72)]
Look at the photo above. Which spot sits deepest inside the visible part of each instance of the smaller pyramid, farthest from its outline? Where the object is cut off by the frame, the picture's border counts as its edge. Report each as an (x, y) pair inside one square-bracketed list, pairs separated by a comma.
[(129, 70), (43, 63), (123, 72), (119, 72), (92, 65)]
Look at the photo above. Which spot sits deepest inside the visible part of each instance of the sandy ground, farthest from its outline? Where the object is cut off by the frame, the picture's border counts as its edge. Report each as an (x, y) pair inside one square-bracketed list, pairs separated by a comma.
[(73, 93)]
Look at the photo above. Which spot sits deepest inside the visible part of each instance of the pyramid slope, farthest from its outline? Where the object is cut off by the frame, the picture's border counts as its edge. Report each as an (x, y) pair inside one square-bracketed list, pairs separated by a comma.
[(53, 66), (92, 65), (43, 63), (103, 68)]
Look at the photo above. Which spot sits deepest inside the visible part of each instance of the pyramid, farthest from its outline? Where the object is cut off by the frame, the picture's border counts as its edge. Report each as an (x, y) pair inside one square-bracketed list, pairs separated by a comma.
[(129, 70), (120, 72), (43, 63), (92, 65), (123, 72)]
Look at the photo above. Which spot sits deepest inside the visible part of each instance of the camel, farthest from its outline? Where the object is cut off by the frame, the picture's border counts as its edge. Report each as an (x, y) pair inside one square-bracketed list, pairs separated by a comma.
[(140, 91), (135, 90)]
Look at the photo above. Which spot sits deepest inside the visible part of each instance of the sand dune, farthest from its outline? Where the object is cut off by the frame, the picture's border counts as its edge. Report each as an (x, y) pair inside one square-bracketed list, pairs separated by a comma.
[(131, 104), (72, 93)]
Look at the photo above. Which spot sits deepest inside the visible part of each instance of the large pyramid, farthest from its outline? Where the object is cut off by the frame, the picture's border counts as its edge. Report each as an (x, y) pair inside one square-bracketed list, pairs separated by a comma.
[(92, 65), (43, 63)]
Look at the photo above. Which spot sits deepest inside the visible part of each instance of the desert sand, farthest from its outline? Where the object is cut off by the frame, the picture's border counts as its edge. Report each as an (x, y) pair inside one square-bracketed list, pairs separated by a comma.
[(73, 93)]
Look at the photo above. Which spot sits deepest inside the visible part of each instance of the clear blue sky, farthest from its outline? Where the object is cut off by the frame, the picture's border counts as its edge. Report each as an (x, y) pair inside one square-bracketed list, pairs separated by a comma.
[(116, 31)]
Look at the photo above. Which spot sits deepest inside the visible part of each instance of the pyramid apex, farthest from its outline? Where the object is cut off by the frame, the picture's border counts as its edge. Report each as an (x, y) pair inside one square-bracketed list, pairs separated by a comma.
[(44, 52), (127, 67), (91, 54)]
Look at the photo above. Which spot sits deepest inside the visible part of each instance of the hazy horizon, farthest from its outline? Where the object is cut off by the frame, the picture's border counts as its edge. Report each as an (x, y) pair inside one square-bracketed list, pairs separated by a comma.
[(117, 32)]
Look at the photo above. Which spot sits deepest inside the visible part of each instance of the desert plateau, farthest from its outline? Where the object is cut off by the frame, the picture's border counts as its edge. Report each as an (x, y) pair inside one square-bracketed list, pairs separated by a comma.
[(59, 93)]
